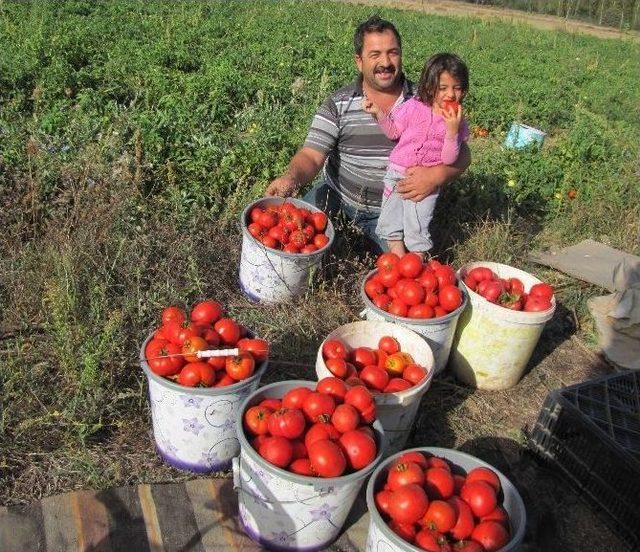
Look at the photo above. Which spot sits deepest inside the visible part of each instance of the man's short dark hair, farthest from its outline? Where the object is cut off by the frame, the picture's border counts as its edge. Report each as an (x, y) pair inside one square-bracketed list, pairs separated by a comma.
[(374, 24)]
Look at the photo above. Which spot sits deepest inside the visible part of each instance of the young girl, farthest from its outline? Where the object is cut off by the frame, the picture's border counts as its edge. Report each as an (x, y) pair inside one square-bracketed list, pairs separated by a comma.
[(430, 129)]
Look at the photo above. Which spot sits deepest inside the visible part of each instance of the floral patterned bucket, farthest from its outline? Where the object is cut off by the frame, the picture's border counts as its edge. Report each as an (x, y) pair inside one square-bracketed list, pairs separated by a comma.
[(284, 511), (382, 539), (195, 427), (271, 276)]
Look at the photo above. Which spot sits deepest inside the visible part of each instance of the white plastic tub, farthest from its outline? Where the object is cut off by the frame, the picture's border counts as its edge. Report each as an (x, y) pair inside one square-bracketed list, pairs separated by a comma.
[(282, 510), (272, 276), (437, 332), (493, 344), (382, 539), (396, 411), (195, 427)]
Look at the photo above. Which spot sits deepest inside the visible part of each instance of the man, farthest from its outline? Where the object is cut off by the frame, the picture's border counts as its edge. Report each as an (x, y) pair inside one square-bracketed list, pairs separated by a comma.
[(349, 144)]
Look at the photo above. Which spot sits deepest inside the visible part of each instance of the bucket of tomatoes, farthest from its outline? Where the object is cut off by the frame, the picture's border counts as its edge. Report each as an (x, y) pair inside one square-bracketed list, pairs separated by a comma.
[(422, 296), (433, 498), (305, 451), (394, 363), (497, 334), (195, 397), (283, 243)]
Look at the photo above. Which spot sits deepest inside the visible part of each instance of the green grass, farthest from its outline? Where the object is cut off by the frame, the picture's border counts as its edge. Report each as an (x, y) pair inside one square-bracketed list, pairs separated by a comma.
[(133, 133)]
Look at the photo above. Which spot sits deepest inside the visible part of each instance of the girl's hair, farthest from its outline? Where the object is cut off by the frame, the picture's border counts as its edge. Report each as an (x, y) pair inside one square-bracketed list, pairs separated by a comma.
[(435, 66)]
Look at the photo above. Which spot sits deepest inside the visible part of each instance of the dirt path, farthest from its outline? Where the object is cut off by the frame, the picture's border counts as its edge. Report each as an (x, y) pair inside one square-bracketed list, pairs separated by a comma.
[(548, 22)]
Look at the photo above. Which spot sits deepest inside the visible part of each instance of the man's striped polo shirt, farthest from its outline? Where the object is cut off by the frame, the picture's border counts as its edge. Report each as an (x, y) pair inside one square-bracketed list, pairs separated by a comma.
[(357, 149)]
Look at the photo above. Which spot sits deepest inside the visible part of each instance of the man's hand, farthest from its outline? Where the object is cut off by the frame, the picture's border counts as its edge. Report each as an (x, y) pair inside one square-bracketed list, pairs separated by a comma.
[(283, 186), (368, 106)]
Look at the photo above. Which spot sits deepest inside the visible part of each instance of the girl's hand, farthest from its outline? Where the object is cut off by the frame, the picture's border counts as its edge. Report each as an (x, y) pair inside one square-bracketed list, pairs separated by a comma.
[(452, 119), (369, 107)]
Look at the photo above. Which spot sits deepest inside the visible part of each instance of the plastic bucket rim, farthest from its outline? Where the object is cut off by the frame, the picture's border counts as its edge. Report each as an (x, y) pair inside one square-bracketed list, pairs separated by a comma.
[(528, 127), (414, 390), (415, 321), (464, 269), (207, 391), (438, 451), (277, 252), (245, 446)]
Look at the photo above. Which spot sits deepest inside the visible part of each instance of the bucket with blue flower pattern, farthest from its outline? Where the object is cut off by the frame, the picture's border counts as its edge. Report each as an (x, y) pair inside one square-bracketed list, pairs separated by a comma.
[(195, 427), (520, 136)]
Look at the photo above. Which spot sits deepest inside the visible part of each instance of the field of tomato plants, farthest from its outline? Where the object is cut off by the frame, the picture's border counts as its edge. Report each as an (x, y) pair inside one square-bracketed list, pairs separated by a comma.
[(132, 135)]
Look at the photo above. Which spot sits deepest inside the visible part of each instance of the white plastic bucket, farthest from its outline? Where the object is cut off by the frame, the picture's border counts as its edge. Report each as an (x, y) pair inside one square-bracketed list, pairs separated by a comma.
[(493, 344), (271, 276), (382, 539), (396, 411), (520, 136), (285, 511), (195, 427), (438, 332)]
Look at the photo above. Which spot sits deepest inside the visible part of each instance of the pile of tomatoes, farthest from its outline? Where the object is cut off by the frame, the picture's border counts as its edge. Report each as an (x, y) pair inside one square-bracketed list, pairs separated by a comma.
[(324, 432), (172, 352), (289, 228), (509, 293), (407, 287), (433, 508), (386, 369)]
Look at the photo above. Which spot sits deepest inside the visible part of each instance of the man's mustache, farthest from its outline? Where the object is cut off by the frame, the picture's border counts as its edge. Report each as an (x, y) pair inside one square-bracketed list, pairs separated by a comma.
[(388, 69)]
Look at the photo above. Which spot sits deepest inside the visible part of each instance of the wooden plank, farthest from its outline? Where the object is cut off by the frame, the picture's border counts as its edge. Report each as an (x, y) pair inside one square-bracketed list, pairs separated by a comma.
[(152, 526), (59, 523), (92, 520), (127, 530), (176, 520)]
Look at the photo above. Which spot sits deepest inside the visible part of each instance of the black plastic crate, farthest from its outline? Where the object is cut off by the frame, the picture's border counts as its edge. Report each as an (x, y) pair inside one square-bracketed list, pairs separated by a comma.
[(591, 431)]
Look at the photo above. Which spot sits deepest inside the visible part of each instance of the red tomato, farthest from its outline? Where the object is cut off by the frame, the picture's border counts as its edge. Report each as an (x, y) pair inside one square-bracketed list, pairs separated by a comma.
[(374, 377), (255, 214), (485, 474), (173, 314), (499, 514), (257, 231), (270, 242), (320, 240), (191, 346), (273, 404), (207, 374), (404, 473), (389, 344), (345, 418), (408, 504), (298, 239), (156, 354), (439, 483), (218, 363), (309, 232), (464, 519), (398, 308), (422, 311), (334, 387), (359, 449), (428, 280), (544, 291), (319, 221), (290, 248), (414, 374), (469, 546), (382, 500), (363, 356), (337, 366), (536, 304), (459, 481), (431, 299), (410, 265), (228, 331), (450, 105), (224, 381), (433, 264), (258, 348), (412, 293), (189, 376), (437, 462), (256, 420), (294, 398), (389, 276), (292, 219), (319, 432), (373, 287), (299, 450), (326, 458), (240, 367), (334, 348), (267, 220), (206, 312), (480, 496), (396, 385), (450, 297), (516, 286), (438, 311), (382, 301), (440, 516), (276, 450), (387, 261), (287, 422), (491, 535), (405, 531), (280, 234), (414, 456), (309, 248), (318, 407), (360, 397), (470, 282), (445, 276), (481, 273), (302, 466), (432, 541), (490, 290)]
